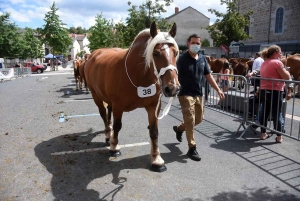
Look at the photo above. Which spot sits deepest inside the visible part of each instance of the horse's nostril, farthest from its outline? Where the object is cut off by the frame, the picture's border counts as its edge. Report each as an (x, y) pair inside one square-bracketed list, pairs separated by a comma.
[(167, 90)]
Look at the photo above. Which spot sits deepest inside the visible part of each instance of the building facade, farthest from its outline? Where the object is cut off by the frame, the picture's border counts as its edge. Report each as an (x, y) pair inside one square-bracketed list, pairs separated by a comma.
[(272, 22), (189, 21)]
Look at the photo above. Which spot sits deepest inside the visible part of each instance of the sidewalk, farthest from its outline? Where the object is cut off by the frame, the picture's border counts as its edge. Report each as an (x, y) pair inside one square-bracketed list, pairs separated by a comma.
[(60, 68)]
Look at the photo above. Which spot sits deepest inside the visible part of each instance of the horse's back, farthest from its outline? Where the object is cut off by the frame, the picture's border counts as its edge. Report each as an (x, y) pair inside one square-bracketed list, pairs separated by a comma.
[(102, 71)]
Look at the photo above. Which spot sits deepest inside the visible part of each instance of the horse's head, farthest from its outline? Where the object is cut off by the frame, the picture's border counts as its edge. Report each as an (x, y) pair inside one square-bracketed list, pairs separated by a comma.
[(162, 52)]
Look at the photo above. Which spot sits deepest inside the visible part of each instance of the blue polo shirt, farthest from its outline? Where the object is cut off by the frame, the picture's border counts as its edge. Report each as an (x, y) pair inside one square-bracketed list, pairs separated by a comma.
[(190, 74)]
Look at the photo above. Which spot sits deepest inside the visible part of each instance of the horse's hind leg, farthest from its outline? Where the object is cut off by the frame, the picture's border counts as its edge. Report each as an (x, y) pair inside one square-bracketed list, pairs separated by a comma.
[(102, 110), (157, 163)]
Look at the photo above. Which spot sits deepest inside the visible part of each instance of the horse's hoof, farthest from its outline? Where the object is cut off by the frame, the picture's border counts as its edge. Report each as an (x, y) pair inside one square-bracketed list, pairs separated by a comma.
[(114, 153), (107, 143), (158, 168)]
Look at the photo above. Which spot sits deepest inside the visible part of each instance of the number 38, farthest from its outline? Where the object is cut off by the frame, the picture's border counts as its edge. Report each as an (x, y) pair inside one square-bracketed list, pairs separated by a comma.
[(146, 91)]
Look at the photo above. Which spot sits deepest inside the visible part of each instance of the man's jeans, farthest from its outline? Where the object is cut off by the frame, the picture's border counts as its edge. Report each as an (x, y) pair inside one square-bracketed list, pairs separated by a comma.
[(271, 103)]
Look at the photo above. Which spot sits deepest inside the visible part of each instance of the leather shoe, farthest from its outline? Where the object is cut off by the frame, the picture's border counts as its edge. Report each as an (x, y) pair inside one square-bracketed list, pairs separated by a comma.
[(193, 154), (178, 133)]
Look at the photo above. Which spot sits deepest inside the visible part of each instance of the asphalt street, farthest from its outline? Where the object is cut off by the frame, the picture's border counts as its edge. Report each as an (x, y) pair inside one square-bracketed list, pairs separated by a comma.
[(44, 159)]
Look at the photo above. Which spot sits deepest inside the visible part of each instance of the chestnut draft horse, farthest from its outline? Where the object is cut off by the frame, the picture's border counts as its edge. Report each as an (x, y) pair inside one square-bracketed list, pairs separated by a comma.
[(77, 77), (81, 71), (134, 78)]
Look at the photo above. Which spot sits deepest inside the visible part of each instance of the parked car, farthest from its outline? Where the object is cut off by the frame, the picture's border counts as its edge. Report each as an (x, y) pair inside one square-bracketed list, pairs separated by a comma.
[(38, 68)]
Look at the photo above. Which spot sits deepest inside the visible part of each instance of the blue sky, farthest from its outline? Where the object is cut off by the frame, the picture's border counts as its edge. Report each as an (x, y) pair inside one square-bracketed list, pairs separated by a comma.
[(31, 13)]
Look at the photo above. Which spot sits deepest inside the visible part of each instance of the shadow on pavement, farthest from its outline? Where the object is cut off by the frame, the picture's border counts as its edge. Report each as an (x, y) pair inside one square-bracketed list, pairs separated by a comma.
[(261, 194), (73, 172), (256, 152)]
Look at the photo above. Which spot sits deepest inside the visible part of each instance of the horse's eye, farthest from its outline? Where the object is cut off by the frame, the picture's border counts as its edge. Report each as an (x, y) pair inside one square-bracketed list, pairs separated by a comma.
[(176, 53), (156, 53)]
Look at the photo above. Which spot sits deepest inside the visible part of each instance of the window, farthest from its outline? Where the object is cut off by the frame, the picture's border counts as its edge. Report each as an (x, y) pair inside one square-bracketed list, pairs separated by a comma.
[(247, 27), (279, 20)]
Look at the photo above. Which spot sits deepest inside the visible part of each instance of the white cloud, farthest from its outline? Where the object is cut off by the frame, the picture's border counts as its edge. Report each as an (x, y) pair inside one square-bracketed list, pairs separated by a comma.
[(83, 12)]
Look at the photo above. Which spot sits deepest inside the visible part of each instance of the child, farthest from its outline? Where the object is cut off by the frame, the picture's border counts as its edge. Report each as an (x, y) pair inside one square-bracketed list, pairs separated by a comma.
[(225, 79)]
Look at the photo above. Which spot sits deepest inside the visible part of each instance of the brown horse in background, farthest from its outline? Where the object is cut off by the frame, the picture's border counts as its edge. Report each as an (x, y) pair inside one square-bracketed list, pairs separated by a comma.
[(81, 71), (216, 64), (77, 77), (134, 78)]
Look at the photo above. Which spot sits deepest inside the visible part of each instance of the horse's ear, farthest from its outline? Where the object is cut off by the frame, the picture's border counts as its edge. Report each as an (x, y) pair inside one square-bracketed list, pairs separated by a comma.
[(153, 29), (173, 30)]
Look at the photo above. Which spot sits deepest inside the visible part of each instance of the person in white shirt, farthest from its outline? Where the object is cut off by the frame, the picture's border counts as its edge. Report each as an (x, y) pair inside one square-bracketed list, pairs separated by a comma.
[(255, 70), (257, 62)]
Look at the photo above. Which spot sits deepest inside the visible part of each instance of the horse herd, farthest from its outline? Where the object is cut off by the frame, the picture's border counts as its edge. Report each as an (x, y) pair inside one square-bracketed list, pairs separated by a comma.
[(121, 80), (241, 66)]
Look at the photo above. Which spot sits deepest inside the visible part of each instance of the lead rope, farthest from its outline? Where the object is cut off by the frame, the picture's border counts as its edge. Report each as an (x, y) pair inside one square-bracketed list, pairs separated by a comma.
[(167, 108)]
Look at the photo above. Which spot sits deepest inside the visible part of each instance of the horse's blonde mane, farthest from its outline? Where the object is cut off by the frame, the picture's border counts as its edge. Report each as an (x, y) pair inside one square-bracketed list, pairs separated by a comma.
[(161, 37)]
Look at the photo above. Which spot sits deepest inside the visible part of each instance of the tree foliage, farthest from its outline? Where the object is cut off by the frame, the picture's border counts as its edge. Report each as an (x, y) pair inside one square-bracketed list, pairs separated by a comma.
[(32, 46), (229, 26), (101, 34), (141, 17), (77, 30), (10, 37), (54, 33)]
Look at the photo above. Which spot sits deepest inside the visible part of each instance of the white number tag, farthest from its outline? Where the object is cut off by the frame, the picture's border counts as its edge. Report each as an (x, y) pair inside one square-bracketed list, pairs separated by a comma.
[(144, 92)]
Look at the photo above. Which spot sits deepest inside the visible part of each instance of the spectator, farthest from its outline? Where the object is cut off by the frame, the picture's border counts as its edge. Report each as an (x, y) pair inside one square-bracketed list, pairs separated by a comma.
[(272, 91), (256, 71), (224, 79)]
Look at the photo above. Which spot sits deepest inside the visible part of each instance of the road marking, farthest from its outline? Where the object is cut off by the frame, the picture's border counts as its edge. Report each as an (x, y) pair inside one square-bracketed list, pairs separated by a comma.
[(98, 149), (77, 100), (43, 74), (62, 116), (81, 115), (290, 117)]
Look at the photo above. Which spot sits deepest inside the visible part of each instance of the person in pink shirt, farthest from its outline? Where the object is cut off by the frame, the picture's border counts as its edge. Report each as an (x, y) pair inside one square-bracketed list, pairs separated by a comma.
[(271, 96)]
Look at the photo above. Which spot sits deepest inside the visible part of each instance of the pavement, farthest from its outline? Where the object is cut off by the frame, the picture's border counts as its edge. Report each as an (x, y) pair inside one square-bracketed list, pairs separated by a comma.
[(43, 158)]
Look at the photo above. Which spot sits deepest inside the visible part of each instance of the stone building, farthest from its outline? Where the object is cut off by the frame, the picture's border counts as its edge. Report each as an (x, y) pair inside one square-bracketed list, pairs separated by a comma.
[(272, 22), (186, 20)]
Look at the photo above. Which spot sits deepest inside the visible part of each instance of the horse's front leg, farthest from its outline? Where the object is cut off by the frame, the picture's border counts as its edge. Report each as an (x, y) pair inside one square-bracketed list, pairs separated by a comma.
[(157, 163), (76, 81), (86, 87), (80, 82), (114, 150)]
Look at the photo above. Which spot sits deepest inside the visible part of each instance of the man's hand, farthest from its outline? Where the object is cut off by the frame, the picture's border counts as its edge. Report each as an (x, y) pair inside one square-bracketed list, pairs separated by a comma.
[(221, 95)]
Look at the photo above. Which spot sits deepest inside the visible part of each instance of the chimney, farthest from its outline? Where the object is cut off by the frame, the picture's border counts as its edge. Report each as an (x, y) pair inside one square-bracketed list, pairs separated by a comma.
[(176, 10)]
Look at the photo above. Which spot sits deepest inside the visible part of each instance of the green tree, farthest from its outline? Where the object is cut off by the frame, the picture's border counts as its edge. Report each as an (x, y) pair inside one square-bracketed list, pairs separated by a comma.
[(78, 30), (205, 43), (141, 17), (54, 32), (10, 38), (229, 26), (32, 45), (101, 34)]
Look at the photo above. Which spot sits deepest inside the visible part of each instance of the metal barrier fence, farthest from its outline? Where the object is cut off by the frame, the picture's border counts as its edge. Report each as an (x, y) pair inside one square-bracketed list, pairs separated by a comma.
[(253, 109), (13, 73), (22, 72)]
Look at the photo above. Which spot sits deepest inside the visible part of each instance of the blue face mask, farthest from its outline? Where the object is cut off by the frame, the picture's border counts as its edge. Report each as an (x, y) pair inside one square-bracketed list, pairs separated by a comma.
[(194, 48)]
